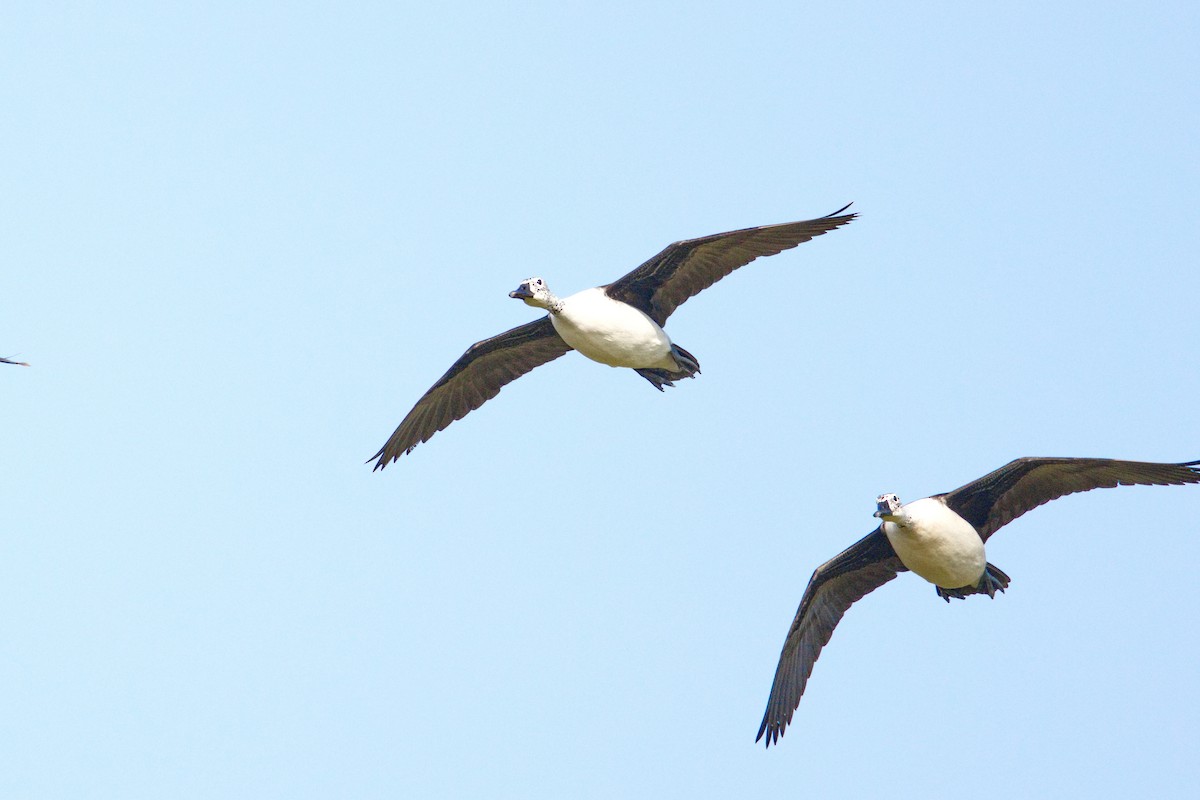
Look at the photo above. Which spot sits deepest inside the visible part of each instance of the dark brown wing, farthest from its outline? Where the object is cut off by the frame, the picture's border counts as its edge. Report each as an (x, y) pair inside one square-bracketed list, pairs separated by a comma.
[(835, 585), (474, 379), (689, 267), (999, 497)]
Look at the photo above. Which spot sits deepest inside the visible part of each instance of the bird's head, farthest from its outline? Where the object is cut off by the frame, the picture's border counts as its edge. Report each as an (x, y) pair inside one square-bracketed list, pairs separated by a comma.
[(886, 506), (533, 291)]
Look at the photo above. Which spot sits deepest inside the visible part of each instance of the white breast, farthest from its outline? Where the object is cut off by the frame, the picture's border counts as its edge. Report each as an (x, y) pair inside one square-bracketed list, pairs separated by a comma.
[(612, 332), (938, 544)]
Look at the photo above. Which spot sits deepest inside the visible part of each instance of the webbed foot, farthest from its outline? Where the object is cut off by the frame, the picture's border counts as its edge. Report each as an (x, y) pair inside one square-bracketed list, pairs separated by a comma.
[(689, 367), (993, 580)]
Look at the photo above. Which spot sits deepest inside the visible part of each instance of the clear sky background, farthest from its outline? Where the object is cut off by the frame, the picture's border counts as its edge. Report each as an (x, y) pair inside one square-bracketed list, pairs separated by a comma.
[(240, 240)]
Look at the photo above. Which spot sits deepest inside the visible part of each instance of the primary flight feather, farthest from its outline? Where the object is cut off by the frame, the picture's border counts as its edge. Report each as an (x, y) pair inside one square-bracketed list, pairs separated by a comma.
[(619, 324), (940, 538)]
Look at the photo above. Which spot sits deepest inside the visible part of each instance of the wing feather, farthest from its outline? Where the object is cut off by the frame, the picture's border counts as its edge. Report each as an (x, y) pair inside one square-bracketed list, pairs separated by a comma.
[(475, 378), (684, 269), (1022, 485), (835, 585)]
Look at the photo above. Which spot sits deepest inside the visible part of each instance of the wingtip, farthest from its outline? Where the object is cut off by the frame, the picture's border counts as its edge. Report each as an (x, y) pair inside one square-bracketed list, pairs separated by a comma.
[(772, 735), (385, 456), (843, 208), (768, 739)]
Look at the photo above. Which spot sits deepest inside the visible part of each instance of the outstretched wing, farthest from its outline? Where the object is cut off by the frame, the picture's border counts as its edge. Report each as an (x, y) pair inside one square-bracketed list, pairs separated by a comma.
[(835, 585), (999, 497), (689, 267), (10, 361), (475, 378)]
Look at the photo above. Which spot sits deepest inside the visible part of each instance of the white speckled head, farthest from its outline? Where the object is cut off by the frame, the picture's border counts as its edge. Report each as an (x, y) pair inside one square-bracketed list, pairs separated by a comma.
[(534, 292), (886, 506)]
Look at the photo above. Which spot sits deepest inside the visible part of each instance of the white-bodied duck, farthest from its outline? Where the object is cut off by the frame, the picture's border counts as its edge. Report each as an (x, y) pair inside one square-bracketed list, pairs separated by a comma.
[(619, 324), (941, 538)]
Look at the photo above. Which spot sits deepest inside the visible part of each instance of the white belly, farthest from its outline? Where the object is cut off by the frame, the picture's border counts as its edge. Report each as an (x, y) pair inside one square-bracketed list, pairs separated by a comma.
[(612, 332), (938, 545)]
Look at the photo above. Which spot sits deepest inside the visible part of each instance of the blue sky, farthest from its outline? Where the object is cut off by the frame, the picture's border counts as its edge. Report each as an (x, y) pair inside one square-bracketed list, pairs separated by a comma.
[(241, 240)]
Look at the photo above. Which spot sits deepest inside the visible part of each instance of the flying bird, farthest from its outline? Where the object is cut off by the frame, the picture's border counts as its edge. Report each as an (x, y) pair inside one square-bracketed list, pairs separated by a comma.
[(10, 361), (940, 538), (619, 324)]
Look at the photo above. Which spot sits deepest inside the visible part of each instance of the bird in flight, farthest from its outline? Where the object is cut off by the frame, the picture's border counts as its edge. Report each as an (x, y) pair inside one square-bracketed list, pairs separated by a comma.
[(940, 538), (619, 324)]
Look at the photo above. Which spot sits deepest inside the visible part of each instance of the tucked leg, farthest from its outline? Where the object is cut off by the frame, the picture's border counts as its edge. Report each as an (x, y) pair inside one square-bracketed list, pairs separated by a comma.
[(689, 367), (993, 580)]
